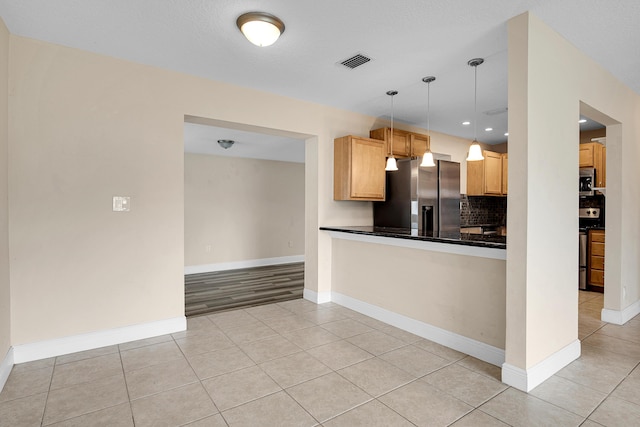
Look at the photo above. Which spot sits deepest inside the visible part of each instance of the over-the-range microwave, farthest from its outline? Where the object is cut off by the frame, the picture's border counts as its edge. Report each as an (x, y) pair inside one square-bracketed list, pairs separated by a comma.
[(587, 181)]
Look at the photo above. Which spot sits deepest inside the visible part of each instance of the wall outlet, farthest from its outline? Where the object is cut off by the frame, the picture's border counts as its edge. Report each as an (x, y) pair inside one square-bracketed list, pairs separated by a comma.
[(290, 243), (207, 248), (121, 203)]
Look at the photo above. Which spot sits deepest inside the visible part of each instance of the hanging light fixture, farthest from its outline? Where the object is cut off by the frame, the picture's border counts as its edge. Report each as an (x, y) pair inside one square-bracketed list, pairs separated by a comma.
[(475, 151), (427, 158), (391, 161), (261, 29)]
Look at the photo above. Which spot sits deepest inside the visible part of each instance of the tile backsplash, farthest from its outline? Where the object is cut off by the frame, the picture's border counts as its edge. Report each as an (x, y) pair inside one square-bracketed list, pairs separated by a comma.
[(482, 210)]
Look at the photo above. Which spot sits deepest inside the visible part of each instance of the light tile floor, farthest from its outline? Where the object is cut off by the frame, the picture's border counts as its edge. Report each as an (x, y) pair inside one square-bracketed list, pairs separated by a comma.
[(299, 364)]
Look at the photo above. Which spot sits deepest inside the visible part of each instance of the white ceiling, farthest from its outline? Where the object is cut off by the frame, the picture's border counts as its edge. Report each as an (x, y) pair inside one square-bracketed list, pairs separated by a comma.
[(407, 40)]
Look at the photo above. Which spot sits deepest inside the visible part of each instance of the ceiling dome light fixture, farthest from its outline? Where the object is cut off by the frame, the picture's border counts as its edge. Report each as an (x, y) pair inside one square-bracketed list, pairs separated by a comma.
[(226, 143), (260, 28), (427, 158), (475, 151), (391, 161)]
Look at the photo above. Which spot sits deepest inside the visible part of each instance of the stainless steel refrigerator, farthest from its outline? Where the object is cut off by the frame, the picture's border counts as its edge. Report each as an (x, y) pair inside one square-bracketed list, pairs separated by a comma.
[(421, 198)]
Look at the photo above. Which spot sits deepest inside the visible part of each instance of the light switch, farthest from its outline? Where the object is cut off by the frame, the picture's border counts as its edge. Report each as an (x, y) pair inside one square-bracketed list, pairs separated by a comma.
[(121, 204)]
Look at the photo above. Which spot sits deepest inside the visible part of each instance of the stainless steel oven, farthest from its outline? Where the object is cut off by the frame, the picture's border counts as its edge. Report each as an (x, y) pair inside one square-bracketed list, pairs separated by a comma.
[(587, 181)]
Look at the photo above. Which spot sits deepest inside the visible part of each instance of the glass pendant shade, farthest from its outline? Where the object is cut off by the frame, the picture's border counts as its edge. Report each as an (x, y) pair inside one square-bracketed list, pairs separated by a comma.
[(475, 152), (391, 164), (261, 29), (427, 159)]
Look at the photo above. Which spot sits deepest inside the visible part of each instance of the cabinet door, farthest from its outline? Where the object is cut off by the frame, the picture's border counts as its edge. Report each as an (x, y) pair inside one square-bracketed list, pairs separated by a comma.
[(367, 169), (419, 144), (505, 175), (492, 173), (601, 174), (401, 143), (586, 155)]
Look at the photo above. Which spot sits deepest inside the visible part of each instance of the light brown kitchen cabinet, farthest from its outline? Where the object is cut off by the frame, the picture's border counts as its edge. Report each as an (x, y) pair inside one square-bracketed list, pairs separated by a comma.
[(505, 174), (595, 274), (594, 155), (487, 177), (358, 168), (405, 143)]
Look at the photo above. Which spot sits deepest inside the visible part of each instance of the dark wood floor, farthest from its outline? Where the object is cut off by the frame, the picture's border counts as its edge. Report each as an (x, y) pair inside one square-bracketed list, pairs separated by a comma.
[(225, 290)]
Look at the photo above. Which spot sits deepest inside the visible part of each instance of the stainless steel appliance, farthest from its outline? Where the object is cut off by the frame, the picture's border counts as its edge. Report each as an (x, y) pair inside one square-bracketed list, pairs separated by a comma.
[(423, 199), (587, 218), (587, 181)]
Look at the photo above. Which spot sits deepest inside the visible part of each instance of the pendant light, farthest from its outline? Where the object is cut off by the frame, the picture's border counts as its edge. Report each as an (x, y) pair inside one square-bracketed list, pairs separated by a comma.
[(475, 151), (427, 158), (260, 28), (391, 161)]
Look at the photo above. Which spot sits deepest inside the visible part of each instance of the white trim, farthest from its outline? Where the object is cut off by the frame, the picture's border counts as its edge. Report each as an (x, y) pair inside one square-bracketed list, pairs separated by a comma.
[(318, 298), (426, 245), (59, 346), (620, 317), (480, 350), (527, 380), (5, 367), (222, 266)]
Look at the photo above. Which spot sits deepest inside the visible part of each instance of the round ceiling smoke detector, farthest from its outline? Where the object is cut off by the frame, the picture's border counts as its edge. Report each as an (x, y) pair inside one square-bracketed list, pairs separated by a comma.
[(226, 143)]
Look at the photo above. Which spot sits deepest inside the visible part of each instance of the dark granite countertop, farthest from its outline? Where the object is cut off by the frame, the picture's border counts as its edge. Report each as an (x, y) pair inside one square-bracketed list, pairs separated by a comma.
[(485, 241)]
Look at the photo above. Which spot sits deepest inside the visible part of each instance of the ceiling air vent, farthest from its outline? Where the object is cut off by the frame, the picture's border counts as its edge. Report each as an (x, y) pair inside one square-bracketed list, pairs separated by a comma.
[(355, 61)]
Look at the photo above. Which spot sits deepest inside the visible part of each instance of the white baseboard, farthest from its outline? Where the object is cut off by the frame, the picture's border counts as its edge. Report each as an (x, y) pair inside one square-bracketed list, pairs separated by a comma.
[(209, 268), (477, 349), (527, 380), (620, 317), (317, 297), (59, 346), (5, 367)]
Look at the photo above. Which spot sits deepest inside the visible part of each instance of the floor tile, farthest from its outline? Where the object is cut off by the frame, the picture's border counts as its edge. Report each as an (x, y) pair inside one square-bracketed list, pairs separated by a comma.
[(517, 408), (464, 384), (84, 398), (220, 362), (371, 414), (477, 418), (440, 350), (174, 407), (115, 416), (24, 412), (294, 369), (415, 361), (311, 337), (328, 396), (198, 344), (615, 345), (346, 328), (481, 367), (287, 323), (299, 306), (145, 342), (157, 378), (22, 383), (339, 354), (142, 357), (236, 388), (568, 395), (212, 421), (233, 319), (617, 412), (629, 389), (376, 342), (32, 366), (375, 376), (86, 370), (319, 317), (277, 409), (266, 311), (405, 336), (628, 332), (89, 354), (269, 348), (246, 334), (424, 405)]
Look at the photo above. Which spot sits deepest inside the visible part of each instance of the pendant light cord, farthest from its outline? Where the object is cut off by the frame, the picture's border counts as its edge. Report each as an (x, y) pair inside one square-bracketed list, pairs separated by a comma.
[(392, 94), (475, 103)]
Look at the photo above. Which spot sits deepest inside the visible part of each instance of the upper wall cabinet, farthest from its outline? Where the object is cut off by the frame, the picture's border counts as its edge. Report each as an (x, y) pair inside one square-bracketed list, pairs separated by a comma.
[(488, 177), (594, 155), (405, 143), (358, 168)]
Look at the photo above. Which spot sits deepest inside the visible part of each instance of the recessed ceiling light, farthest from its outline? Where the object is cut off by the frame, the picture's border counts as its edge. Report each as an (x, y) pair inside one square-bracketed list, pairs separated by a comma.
[(582, 121), (506, 134), (488, 129), (466, 123)]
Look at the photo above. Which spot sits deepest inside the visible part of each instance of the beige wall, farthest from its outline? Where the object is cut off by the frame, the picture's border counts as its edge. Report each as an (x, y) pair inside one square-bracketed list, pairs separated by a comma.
[(459, 293), (5, 294), (241, 209), (586, 135), (545, 99)]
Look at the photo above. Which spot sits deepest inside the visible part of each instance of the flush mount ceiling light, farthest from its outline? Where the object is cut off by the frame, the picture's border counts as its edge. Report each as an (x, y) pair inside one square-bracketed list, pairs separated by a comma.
[(391, 161), (475, 151), (226, 143), (260, 28), (427, 158)]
